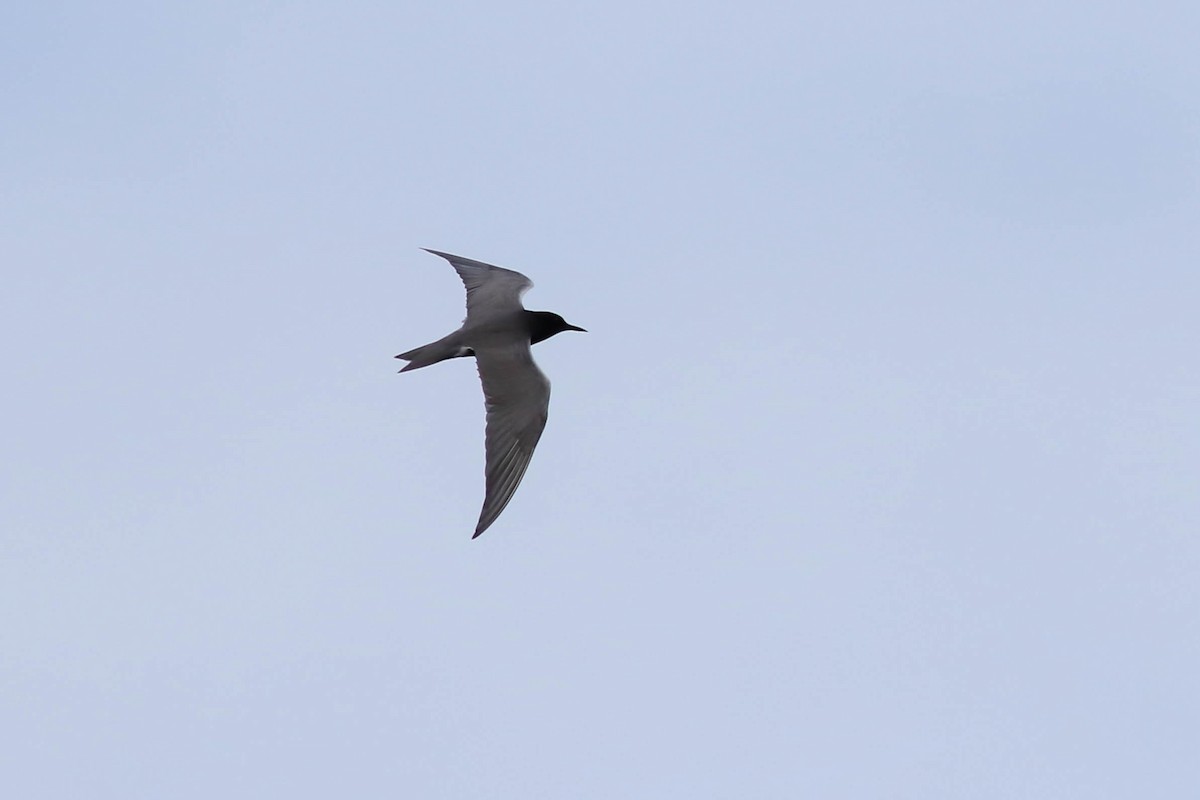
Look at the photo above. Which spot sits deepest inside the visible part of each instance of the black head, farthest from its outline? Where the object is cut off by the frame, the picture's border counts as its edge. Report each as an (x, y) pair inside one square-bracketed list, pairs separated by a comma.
[(544, 324)]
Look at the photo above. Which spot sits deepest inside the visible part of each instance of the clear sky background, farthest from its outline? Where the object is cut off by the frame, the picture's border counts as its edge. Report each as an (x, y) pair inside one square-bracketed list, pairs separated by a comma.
[(876, 475)]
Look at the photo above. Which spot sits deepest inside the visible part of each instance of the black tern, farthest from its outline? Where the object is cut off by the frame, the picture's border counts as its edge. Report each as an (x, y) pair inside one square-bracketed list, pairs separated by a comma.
[(499, 332)]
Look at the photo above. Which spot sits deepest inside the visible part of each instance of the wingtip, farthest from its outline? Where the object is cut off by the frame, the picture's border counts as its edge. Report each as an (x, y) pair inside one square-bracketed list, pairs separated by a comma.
[(481, 526)]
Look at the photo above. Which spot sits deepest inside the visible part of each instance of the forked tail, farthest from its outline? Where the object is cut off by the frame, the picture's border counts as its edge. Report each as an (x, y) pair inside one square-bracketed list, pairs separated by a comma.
[(434, 352)]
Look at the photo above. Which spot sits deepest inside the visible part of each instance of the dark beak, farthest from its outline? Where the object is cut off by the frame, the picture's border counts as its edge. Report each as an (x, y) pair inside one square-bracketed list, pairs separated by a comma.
[(571, 327)]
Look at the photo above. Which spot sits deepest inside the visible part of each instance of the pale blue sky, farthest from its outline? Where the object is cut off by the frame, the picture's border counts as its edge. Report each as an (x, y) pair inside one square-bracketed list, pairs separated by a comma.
[(876, 476)]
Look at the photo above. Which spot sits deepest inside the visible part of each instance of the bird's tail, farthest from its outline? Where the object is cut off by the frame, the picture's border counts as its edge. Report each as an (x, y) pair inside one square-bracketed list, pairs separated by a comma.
[(434, 352)]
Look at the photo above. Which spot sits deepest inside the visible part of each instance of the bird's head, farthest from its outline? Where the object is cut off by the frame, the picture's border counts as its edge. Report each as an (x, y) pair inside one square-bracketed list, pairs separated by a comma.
[(544, 324)]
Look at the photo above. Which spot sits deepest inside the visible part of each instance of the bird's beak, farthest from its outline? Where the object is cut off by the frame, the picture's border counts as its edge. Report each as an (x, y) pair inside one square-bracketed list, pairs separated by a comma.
[(571, 327)]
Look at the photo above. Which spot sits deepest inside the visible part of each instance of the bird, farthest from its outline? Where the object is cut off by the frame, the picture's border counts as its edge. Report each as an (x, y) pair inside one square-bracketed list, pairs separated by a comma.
[(499, 332)]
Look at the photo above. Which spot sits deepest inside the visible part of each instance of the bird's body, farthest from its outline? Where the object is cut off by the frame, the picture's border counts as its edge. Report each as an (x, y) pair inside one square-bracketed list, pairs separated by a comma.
[(499, 332)]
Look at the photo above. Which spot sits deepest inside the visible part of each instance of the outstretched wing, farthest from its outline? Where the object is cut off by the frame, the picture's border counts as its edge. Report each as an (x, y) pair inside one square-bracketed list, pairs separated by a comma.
[(491, 290), (518, 401)]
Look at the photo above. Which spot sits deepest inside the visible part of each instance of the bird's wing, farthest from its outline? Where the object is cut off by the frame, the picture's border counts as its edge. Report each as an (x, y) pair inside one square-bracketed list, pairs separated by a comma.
[(491, 291), (518, 401)]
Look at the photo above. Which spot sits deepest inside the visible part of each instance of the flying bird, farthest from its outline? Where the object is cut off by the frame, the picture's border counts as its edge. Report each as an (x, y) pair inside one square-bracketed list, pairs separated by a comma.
[(499, 332)]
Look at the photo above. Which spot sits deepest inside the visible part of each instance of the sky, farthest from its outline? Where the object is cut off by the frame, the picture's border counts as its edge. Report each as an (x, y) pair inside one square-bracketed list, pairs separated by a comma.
[(875, 475)]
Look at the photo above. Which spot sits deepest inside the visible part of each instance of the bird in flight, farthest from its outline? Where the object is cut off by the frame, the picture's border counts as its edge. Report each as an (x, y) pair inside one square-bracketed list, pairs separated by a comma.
[(499, 332)]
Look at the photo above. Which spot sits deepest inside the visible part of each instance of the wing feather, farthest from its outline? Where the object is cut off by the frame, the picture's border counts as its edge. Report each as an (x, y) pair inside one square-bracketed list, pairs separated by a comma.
[(491, 291), (517, 396)]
